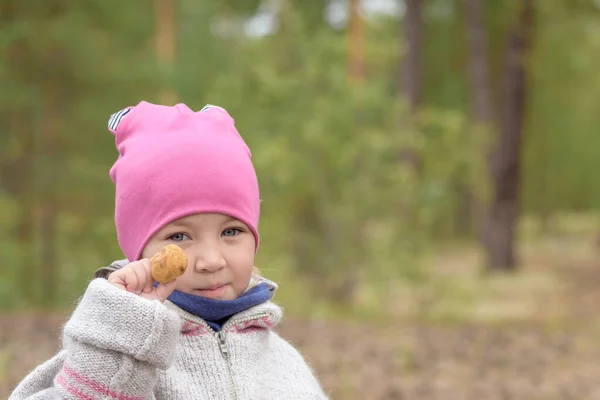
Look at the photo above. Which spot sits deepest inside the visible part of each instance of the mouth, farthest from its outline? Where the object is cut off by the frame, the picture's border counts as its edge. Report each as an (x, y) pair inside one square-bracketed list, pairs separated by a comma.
[(211, 291)]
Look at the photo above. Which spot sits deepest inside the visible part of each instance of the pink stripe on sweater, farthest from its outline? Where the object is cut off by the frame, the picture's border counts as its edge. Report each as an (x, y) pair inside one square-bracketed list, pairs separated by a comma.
[(96, 386), (252, 326), (72, 390), (186, 327), (191, 329)]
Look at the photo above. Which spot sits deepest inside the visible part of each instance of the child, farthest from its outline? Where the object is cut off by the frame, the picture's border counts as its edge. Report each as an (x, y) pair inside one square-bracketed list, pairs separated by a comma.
[(187, 178)]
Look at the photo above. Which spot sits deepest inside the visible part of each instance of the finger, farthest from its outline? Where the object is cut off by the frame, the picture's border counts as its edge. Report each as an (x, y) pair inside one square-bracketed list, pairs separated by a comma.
[(148, 280), (140, 275), (131, 280), (164, 290), (117, 279)]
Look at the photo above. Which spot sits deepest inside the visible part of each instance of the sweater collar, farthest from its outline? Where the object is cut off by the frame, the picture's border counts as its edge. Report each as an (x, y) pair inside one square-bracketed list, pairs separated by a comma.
[(263, 316), (217, 312)]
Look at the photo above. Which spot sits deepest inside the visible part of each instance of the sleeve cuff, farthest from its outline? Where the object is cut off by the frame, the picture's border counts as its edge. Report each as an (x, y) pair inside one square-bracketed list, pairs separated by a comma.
[(113, 319)]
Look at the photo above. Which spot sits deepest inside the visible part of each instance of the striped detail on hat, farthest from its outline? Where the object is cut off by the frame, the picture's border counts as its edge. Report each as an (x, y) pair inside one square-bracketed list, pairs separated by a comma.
[(209, 106), (116, 118)]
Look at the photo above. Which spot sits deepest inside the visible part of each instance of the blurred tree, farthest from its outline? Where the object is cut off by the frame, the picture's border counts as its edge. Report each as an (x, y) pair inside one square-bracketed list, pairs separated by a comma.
[(481, 104), (411, 62), (55, 85), (18, 161), (470, 207), (36, 194), (344, 290), (356, 45), (165, 43), (410, 77), (499, 235)]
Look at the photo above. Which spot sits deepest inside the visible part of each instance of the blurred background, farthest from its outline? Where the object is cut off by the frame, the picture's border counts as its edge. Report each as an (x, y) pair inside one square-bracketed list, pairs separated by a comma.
[(430, 209)]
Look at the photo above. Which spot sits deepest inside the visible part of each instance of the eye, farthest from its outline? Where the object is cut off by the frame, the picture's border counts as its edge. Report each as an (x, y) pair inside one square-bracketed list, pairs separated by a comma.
[(178, 237), (232, 232)]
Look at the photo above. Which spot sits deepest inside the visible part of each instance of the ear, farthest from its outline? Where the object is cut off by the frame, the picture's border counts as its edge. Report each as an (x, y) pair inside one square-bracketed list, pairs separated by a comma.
[(209, 106), (116, 118), (218, 113)]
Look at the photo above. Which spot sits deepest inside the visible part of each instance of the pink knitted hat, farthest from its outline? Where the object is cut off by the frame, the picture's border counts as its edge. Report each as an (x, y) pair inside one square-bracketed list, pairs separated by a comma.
[(174, 162)]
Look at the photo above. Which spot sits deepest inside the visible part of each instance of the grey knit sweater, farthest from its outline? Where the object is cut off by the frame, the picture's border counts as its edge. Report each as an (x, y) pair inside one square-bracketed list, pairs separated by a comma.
[(119, 346)]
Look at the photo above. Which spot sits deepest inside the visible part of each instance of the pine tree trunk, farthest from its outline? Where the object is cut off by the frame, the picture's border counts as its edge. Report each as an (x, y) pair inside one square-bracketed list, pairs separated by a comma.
[(411, 65), (500, 230), (356, 46), (165, 44), (481, 105), (470, 207), (409, 76)]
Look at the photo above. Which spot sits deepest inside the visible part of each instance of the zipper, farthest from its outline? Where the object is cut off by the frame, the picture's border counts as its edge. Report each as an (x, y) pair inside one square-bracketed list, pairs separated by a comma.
[(222, 344), (225, 353), (221, 340)]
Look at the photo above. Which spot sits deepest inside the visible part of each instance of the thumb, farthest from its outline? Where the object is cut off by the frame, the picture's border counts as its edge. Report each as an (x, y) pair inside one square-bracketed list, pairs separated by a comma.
[(164, 290)]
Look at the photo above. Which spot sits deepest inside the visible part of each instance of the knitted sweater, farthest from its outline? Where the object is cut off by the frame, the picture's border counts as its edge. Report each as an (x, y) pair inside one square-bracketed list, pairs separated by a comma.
[(120, 346)]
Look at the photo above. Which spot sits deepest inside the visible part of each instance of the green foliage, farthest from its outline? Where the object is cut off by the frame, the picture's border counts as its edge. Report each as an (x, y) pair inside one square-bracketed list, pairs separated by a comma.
[(562, 143), (342, 211)]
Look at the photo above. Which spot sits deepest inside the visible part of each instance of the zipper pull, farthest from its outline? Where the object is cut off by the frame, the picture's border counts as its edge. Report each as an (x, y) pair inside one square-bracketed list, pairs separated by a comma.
[(222, 345)]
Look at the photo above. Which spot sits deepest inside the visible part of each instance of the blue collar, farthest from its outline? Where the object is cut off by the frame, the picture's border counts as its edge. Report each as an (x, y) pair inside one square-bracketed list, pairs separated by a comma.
[(217, 312)]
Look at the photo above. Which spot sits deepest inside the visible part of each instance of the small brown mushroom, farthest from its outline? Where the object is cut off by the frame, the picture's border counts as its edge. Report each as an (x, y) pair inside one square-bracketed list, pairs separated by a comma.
[(168, 263)]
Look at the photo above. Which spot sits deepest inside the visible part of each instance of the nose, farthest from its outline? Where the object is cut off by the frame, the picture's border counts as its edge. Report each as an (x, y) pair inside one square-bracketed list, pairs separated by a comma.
[(208, 257)]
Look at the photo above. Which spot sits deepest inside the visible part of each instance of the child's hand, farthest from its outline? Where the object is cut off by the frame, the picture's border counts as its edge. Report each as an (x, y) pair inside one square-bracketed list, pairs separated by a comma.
[(136, 278)]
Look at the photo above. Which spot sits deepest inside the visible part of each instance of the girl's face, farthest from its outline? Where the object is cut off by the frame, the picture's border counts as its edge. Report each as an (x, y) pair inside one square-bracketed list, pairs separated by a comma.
[(220, 251)]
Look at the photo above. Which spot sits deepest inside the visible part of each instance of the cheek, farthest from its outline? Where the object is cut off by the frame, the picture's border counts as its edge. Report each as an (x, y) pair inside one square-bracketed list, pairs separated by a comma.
[(150, 249), (241, 265), (187, 279)]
